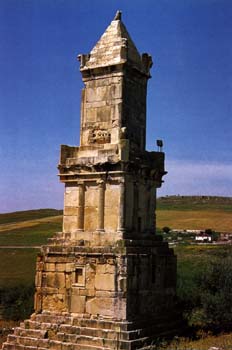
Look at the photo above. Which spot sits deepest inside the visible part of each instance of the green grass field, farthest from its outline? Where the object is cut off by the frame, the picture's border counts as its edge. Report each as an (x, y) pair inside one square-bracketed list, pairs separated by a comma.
[(178, 212), (30, 229), (17, 267), (194, 259), (31, 236)]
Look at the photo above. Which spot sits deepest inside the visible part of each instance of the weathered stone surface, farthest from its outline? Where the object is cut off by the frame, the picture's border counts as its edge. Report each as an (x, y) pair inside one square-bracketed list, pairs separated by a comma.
[(107, 281), (78, 303)]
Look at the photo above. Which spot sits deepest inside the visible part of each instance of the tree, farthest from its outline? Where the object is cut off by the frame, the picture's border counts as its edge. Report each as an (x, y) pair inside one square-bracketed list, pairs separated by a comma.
[(166, 229), (213, 234), (215, 298), (209, 231), (17, 302)]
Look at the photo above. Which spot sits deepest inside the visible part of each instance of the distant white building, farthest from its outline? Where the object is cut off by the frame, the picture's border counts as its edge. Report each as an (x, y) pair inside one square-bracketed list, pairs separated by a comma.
[(181, 230), (203, 238), (196, 232)]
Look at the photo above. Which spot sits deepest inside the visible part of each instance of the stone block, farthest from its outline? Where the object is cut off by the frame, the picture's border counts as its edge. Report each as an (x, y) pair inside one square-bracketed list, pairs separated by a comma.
[(68, 280), (71, 197), (70, 211), (100, 306), (60, 267), (59, 280), (78, 303), (50, 279), (91, 196), (38, 279), (69, 223), (87, 292), (107, 294), (69, 267), (105, 281), (105, 268), (90, 115), (50, 267), (90, 280), (108, 307), (103, 114), (54, 303), (91, 222)]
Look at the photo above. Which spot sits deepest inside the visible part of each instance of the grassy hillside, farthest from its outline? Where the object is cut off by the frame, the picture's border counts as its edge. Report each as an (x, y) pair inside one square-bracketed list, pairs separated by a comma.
[(17, 267), (186, 212), (177, 219), (189, 203), (34, 235), (25, 230), (20, 216)]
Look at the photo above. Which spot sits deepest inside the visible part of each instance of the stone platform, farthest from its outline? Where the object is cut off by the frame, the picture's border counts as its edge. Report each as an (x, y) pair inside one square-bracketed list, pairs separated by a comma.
[(124, 298), (69, 332)]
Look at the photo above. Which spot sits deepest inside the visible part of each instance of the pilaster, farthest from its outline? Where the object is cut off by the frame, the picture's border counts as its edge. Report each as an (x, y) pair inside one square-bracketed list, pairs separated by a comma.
[(81, 206), (101, 205)]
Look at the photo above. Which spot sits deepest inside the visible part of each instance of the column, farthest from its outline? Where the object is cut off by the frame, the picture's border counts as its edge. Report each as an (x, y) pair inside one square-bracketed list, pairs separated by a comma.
[(101, 205), (81, 207), (122, 199)]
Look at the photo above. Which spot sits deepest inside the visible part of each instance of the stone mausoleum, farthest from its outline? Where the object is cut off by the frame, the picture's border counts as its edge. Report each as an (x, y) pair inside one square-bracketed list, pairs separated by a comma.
[(107, 281)]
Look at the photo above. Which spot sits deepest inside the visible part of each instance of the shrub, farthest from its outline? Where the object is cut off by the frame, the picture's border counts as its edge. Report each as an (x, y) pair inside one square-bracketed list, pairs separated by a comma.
[(166, 229), (17, 302), (214, 307)]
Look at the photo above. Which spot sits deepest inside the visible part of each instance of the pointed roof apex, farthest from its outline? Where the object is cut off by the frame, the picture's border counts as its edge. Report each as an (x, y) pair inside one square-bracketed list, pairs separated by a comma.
[(115, 47), (118, 16)]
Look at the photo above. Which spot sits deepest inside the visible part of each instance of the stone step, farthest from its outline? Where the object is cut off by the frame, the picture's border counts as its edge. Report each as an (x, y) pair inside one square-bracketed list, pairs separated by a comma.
[(89, 347), (84, 329), (86, 340), (72, 339), (28, 341), (53, 318), (56, 345), (63, 332), (12, 346), (36, 325), (88, 331), (42, 321), (32, 333), (103, 333), (101, 324)]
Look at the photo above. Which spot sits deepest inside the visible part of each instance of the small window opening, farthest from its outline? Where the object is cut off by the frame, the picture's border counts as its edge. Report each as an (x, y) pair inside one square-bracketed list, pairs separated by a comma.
[(79, 276)]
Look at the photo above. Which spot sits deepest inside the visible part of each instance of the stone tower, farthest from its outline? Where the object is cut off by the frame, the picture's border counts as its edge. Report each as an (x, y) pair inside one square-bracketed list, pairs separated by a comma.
[(107, 281)]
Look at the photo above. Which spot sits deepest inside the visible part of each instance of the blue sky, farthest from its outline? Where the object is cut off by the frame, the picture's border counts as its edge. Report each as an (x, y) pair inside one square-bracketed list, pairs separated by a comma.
[(189, 98)]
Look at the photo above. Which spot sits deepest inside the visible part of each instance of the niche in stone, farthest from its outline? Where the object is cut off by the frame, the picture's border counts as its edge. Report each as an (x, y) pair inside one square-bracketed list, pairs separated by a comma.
[(79, 276)]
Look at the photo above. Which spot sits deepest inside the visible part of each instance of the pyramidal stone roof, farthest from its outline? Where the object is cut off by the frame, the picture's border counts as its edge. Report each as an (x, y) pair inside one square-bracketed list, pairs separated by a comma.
[(114, 47)]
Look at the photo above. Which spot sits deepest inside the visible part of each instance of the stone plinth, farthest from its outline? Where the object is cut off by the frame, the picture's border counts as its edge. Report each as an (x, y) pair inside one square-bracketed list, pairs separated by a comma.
[(106, 297)]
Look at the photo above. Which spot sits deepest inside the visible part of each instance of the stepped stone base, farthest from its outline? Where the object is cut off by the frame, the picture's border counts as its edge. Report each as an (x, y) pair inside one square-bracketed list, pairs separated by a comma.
[(124, 300), (68, 332)]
